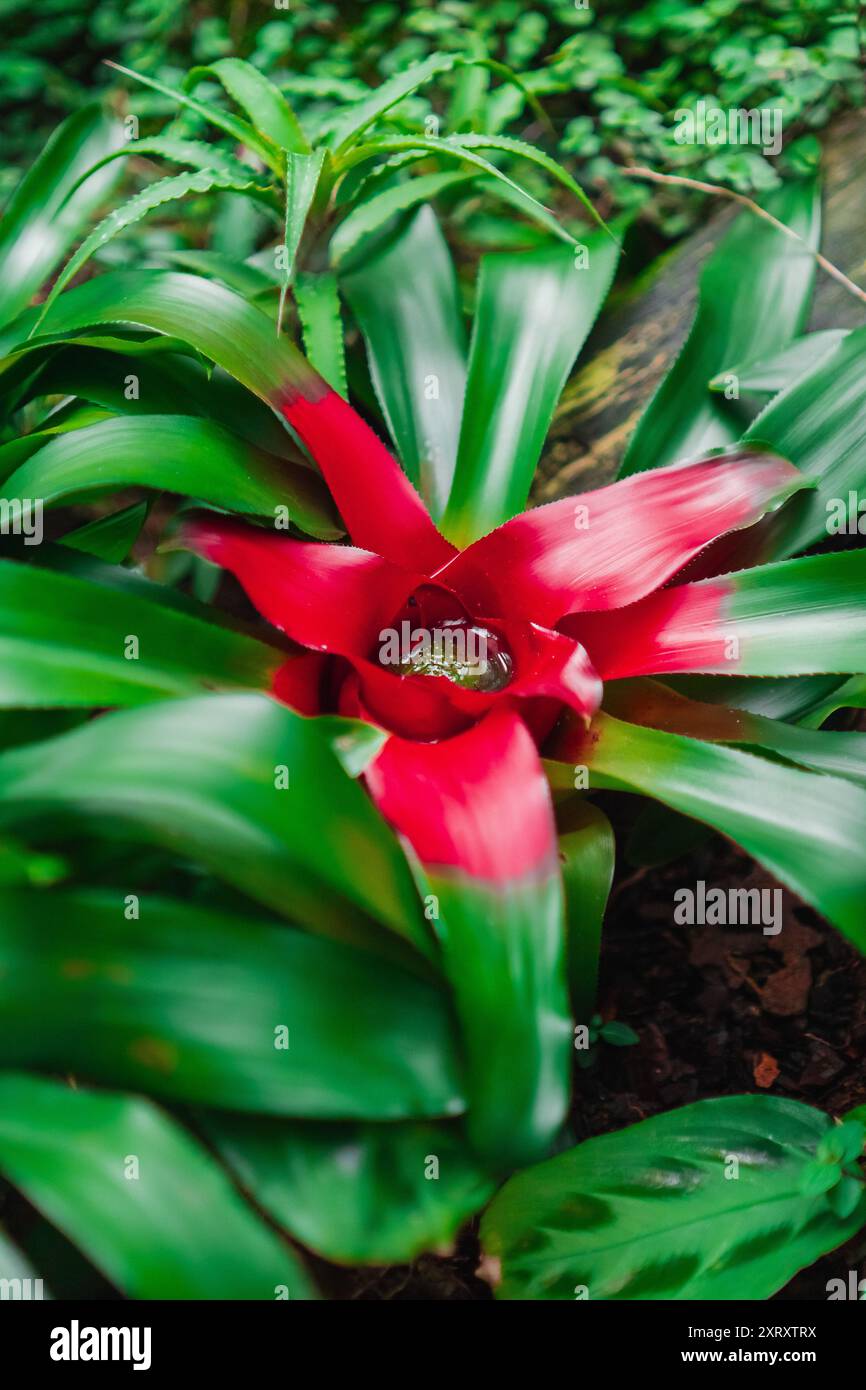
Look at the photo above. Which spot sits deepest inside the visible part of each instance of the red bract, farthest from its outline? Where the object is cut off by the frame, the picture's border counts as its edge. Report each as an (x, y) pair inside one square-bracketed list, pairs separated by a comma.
[(603, 550), (459, 774)]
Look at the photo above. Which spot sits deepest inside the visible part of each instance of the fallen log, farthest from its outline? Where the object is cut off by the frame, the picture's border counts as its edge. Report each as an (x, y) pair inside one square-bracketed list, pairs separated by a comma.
[(634, 344)]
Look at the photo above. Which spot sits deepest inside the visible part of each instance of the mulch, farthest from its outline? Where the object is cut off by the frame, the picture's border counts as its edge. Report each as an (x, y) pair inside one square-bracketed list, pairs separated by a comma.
[(718, 1010)]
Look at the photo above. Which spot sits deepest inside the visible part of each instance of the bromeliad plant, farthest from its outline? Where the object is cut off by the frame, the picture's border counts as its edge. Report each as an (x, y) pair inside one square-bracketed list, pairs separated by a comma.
[(371, 1071)]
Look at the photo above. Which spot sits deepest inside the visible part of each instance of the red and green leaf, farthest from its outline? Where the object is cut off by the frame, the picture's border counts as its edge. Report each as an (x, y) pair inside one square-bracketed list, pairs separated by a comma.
[(477, 814), (797, 617)]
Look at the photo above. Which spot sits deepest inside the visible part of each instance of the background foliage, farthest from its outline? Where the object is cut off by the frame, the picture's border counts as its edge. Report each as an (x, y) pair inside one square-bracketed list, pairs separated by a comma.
[(611, 77), (167, 811)]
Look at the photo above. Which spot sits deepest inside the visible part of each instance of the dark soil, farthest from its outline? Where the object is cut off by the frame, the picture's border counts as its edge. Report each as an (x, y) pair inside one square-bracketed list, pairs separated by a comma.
[(719, 1010)]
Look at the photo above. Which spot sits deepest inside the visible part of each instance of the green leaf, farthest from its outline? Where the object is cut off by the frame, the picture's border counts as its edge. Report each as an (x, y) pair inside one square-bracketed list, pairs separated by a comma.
[(164, 382), (356, 1193), (797, 617), (264, 103), (192, 457), (215, 321), (534, 312), (618, 1034), (177, 1230), (203, 778), (44, 215), (406, 302), (586, 852), (109, 537), (354, 742), (650, 703), (318, 302), (800, 616), (199, 154), (468, 102), (240, 131), (132, 211), (819, 423), (66, 641), (375, 212), (753, 298), (819, 1177), (797, 698), (807, 829), (844, 1142), (503, 950), (845, 1197), (452, 148), (508, 145), (248, 279), (361, 114), (302, 177), (850, 694), (202, 1007), (768, 375), (701, 1203)]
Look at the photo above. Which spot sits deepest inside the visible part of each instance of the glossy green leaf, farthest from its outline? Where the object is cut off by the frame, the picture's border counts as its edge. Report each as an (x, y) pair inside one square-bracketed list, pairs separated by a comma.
[(806, 828), (803, 616), (199, 154), (468, 100), (109, 537), (699, 1203), (361, 114), (618, 1034), (240, 131), (504, 952), (378, 210), (354, 742), (587, 850), (506, 144), (356, 1193), (198, 1006), (45, 215), (407, 304), (211, 318), (302, 176), (819, 423), (264, 103), (844, 1142), (20, 726), (168, 382), (248, 279), (189, 456), (787, 697), (177, 1229), (318, 301), (850, 694), (456, 148), (753, 299), (800, 616), (844, 1198), (135, 208), (205, 778), (66, 641), (768, 375), (533, 314), (652, 704)]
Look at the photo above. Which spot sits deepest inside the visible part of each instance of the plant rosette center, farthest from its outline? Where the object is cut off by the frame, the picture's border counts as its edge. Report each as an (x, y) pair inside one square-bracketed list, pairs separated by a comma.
[(434, 636)]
